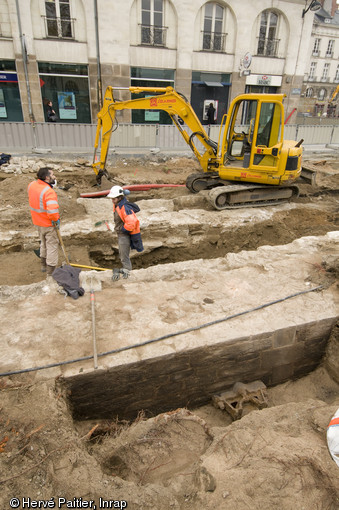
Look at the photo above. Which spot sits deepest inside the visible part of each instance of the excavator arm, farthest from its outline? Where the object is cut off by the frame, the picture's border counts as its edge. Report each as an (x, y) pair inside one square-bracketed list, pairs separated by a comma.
[(334, 95), (165, 99)]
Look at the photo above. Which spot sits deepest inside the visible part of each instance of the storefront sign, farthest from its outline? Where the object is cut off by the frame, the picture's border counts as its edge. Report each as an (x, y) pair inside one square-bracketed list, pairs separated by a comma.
[(264, 79), (66, 103), (9, 77)]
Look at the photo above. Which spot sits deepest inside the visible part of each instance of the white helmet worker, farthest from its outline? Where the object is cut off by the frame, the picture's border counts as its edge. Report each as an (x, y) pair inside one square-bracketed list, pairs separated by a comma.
[(115, 191)]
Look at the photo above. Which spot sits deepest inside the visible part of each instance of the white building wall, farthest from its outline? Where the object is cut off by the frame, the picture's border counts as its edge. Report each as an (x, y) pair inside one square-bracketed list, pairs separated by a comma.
[(119, 38)]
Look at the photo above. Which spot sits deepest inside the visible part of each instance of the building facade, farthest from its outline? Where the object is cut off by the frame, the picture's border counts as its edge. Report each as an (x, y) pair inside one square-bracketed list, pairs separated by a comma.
[(69, 51), (322, 75)]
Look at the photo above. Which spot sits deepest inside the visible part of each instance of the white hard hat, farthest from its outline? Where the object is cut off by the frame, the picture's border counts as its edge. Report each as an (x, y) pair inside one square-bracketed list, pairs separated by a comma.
[(115, 191)]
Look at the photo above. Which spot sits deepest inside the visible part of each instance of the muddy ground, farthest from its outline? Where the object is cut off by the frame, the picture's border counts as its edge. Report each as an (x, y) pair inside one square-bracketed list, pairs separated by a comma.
[(187, 459)]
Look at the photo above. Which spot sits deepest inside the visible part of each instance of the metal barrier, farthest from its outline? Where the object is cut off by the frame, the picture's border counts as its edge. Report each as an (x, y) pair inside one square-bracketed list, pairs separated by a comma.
[(23, 136)]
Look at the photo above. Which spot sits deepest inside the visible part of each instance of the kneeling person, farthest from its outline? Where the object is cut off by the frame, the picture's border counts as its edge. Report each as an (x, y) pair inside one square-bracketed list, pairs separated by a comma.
[(127, 227)]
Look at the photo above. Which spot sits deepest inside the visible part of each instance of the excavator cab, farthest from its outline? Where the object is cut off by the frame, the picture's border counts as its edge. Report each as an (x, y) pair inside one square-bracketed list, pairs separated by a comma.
[(254, 134)]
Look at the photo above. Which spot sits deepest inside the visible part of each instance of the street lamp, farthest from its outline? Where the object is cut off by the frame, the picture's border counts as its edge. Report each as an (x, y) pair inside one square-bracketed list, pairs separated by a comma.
[(314, 6)]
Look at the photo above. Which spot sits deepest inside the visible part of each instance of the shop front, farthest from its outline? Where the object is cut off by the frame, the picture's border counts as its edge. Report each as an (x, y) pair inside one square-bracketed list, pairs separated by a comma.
[(67, 87), (10, 101), (210, 88)]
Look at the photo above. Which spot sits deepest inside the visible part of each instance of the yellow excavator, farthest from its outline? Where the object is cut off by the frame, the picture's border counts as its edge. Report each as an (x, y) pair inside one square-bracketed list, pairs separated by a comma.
[(250, 165), (334, 95)]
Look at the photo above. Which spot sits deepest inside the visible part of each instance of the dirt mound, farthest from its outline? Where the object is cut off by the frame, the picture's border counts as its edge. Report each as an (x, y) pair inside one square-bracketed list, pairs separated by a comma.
[(181, 460)]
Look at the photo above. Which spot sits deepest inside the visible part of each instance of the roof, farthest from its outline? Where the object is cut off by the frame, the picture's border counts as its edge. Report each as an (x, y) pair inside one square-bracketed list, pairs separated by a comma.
[(322, 15)]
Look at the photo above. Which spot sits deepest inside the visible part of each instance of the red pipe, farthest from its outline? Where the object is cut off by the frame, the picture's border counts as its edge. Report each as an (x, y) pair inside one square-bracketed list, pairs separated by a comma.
[(132, 187), (290, 115)]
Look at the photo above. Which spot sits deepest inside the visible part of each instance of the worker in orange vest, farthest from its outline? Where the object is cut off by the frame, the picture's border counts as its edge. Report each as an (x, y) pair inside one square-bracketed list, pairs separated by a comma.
[(43, 202), (127, 227)]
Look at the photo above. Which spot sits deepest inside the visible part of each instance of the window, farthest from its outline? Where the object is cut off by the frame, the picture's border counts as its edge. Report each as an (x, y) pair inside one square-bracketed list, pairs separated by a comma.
[(316, 48), (66, 85), (309, 92), (58, 19), (336, 79), (10, 101), (313, 67), (213, 36), (268, 43), (322, 94), (325, 72), (329, 51), (152, 29)]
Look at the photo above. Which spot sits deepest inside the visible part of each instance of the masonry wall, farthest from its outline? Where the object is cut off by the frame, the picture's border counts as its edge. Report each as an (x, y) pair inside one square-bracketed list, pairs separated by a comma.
[(191, 378)]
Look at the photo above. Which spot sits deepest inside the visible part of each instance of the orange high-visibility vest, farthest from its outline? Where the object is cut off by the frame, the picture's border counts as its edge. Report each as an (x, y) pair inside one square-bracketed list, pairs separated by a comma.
[(126, 212), (43, 202)]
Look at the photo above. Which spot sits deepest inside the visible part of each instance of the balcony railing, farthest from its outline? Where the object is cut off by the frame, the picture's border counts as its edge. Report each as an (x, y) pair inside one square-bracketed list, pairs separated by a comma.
[(61, 28), (152, 35), (268, 47), (213, 41)]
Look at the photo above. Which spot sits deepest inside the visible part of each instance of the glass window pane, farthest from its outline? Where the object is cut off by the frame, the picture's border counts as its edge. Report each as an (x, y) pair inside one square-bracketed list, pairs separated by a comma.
[(146, 18), (10, 100), (145, 35), (263, 22), (157, 36), (53, 89), (7, 65), (208, 25), (66, 29), (50, 10), (75, 69), (158, 19), (52, 28), (271, 33), (65, 11), (207, 38), (219, 12), (209, 10), (217, 42), (218, 27), (158, 5), (146, 5), (273, 19)]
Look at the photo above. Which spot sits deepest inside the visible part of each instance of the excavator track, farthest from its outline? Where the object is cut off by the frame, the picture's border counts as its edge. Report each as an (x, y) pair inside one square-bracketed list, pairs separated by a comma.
[(250, 195)]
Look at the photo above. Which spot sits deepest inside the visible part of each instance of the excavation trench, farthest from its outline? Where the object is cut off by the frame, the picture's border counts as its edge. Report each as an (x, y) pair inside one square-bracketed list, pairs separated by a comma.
[(215, 299)]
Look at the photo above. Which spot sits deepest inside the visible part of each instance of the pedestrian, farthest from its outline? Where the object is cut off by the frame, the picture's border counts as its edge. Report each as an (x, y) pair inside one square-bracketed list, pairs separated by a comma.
[(210, 114), (43, 202), (51, 115), (127, 227)]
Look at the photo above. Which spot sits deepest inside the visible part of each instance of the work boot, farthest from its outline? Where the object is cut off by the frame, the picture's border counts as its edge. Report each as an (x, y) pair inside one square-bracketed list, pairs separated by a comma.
[(43, 264), (125, 273), (50, 269), (116, 274)]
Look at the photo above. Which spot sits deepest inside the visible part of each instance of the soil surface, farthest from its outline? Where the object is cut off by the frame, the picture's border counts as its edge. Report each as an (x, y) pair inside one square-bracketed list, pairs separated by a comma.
[(276, 457)]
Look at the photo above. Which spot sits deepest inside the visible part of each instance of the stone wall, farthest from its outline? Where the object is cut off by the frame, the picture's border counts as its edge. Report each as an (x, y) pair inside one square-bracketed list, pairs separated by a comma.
[(191, 378)]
